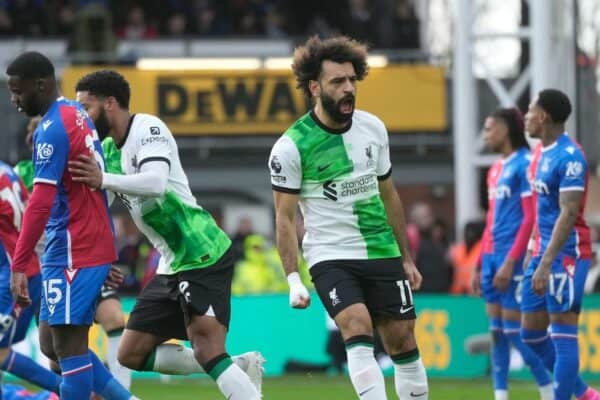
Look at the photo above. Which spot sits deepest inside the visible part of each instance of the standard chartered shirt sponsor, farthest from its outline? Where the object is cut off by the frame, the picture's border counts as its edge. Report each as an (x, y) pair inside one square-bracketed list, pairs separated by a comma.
[(360, 185), (336, 178)]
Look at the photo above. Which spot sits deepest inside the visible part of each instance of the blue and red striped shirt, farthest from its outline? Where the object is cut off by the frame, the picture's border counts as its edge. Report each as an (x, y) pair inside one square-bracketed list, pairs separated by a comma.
[(79, 231), (508, 187)]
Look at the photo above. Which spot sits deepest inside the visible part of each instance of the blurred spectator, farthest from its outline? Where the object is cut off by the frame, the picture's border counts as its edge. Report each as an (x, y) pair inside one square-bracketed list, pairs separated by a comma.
[(249, 17), (64, 21), (321, 27), (361, 24), (274, 23), (93, 40), (406, 26), (177, 25), (136, 26), (132, 252), (6, 23), (430, 253), (397, 24), (29, 17), (207, 19), (260, 270), (464, 257), (242, 231)]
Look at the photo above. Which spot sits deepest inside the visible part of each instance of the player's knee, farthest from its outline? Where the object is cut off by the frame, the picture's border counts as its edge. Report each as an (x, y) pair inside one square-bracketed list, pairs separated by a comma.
[(206, 348), (69, 341), (48, 349), (131, 359), (401, 340), (356, 326)]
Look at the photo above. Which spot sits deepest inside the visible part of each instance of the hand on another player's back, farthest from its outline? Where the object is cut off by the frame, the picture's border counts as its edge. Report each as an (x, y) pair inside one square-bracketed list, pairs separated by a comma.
[(85, 169)]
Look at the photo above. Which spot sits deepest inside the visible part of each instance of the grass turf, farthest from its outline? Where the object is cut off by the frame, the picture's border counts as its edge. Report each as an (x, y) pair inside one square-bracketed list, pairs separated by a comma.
[(319, 387)]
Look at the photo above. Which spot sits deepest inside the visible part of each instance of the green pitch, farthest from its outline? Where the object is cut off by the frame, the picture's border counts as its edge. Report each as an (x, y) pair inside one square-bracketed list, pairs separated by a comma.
[(319, 387)]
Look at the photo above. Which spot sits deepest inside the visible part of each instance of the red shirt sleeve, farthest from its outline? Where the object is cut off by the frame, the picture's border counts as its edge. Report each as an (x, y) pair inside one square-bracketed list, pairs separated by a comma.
[(524, 233), (35, 218)]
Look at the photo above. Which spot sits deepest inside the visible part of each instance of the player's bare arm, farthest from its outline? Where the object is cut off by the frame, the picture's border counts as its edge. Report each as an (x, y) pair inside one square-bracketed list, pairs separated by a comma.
[(396, 219), (570, 202), (287, 245)]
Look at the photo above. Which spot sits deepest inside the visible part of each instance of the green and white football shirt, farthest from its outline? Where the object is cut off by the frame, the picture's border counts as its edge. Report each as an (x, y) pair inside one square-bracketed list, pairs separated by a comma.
[(336, 173), (186, 235)]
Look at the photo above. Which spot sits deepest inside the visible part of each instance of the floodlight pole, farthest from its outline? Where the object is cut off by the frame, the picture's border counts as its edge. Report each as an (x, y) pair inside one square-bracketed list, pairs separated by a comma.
[(540, 45), (464, 117)]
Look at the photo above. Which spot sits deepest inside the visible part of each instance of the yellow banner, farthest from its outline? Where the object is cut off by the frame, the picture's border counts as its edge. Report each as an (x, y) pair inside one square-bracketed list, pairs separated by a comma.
[(407, 98)]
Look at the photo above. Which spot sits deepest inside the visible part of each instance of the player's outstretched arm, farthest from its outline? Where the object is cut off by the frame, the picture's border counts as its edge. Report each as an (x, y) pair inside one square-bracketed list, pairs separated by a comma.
[(150, 181), (287, 245), (570, 203), (396, 219)]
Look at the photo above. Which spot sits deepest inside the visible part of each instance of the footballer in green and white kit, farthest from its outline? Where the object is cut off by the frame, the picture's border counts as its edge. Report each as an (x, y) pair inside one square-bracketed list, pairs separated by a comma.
[(186, 236), (335, 173), (189, 297), (334, 163)]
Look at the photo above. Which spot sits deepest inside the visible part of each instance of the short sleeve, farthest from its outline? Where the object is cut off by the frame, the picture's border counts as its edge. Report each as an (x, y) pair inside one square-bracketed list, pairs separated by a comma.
[(573, 171), (285, 166), (384, 165), (524, 185), (153, 138), (50, 153)]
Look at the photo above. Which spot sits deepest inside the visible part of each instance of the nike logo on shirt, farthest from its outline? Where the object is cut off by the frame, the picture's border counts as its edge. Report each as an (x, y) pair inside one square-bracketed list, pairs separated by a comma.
[(322, 168)]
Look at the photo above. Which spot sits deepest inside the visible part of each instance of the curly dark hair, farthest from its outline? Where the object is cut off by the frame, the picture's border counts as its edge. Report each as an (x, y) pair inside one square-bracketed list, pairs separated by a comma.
[(513, 119), (106, 83), (309, 58)]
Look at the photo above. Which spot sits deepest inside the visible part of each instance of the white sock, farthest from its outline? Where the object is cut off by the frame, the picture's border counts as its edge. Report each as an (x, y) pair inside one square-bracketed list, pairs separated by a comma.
[(173, 359), (500, 394), (411, 380), (546, 392), (121, 374), (365, 374), (235, 385)]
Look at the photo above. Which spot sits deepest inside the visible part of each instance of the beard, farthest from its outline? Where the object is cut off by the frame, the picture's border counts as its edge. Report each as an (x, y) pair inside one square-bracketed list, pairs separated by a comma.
[(334, 108), (102, 125), (30, 106)]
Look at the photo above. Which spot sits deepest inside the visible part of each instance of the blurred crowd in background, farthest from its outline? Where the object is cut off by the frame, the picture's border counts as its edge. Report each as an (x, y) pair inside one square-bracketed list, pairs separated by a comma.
[(381, 23), (446, 265)]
